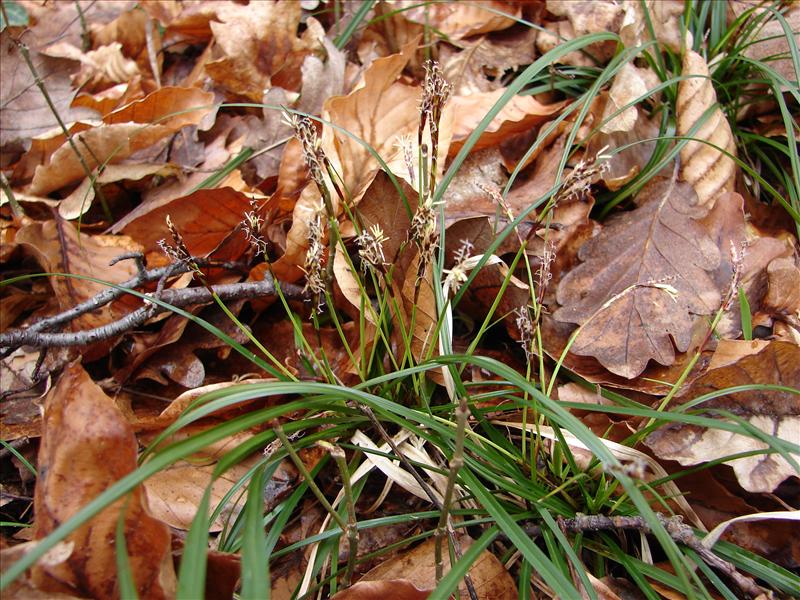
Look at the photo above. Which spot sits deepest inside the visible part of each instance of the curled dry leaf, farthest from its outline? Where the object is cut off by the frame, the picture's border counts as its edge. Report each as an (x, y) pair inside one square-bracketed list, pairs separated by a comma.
[(259, 47), (24, 112), (127, 130), (631, 85), (417, 566), (706, 161), (776, 413), (459, 20), (519, 114), (665, 16), (580, 18), (87, 446), (642, 280), (478, 66)]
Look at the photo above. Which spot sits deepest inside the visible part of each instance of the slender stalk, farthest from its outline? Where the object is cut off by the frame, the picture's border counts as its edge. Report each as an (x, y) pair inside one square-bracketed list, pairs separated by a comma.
[(352, 522), (312, 485), (23, 49), (456, 463), (16, 209)]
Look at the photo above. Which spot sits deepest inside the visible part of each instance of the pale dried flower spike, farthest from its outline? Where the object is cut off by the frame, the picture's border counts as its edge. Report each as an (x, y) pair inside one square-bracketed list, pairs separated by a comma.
[(370, 247)]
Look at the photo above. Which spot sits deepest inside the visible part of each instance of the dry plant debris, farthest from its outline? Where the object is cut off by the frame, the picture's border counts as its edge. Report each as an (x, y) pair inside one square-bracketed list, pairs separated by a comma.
[(379, 271)]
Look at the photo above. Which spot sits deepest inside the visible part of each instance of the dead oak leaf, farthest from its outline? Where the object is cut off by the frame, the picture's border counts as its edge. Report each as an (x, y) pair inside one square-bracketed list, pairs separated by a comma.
[(777, 413), (641, 281)]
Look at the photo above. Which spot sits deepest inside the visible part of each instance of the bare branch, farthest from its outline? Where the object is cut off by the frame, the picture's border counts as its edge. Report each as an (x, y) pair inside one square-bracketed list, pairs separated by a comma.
[(678, 531), (36, 335)]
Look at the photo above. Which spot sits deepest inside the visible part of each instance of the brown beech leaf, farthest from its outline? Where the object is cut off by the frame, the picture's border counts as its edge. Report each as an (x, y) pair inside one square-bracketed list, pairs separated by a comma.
[(664, 16), (259, 46), (400, 589), (709, 170), (776, 413), (458, 20), (126, 130), (58, 248), (520, 113), (417, 566), (204, 218), (24, 112), (379, 112), (87, 446), (641, 281), (581, 17)]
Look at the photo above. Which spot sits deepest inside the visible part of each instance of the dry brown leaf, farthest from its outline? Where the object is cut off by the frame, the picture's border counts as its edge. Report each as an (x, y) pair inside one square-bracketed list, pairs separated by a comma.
[(769, 42), (380, 112), (205, 219), (130, 30), (127, 130), (260, 47), (87, 446), (101, 68), (773, 412), (479, 66), (709, 170), (783, 292), (580, 18), (175, 493), (79, 201), (417, 566), (24, 112), (666, 18), (519, 114), (631, 84), (458, 20), (642, 280), (58, 248), (733, 234), (399, 589)]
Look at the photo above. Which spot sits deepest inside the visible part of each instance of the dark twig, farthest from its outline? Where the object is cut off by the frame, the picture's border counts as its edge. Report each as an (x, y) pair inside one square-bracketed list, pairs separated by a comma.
[(678, 531), (36, 335), (111, 294)]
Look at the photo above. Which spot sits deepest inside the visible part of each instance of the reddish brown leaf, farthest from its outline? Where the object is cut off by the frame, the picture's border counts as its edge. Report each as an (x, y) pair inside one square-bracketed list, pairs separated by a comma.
[(87, 446), (204, 218)]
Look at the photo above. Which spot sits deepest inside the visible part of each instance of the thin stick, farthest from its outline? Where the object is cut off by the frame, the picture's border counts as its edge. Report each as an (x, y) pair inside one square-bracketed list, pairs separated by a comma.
[(676, 528), (23, 49), (456, 462), (352, 521)]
